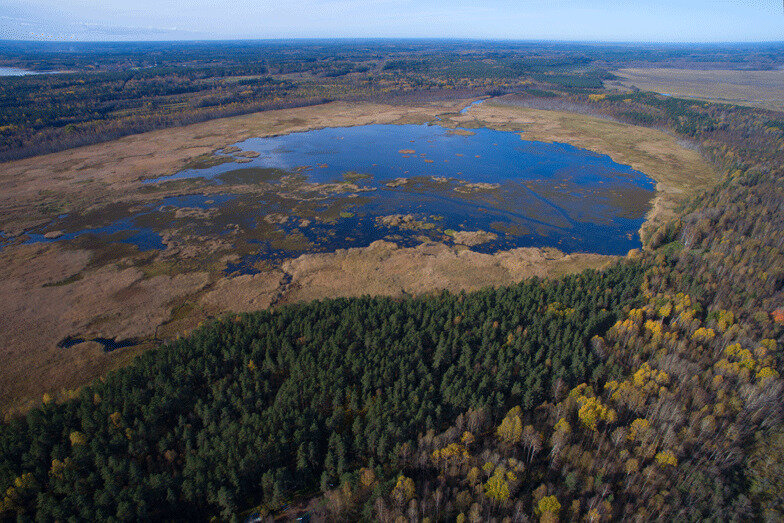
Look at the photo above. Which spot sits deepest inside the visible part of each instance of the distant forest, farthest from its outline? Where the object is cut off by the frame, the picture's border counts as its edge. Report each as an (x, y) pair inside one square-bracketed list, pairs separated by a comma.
[(651, 390), (108, 90)]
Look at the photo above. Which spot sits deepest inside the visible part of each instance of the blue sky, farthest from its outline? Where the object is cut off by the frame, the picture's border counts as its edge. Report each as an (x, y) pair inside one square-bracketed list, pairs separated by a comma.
[(604, 20)]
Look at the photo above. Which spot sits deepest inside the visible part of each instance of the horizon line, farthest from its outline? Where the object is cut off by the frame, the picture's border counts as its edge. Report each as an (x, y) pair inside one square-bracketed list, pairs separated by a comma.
[(392, 39)]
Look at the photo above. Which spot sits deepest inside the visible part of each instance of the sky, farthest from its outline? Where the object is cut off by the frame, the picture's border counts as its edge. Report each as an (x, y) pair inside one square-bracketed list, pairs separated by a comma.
[(571, 20)]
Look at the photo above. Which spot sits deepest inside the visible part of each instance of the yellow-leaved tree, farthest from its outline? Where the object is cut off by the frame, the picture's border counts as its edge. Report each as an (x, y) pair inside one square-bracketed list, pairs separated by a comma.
[(511, 428), (497, 487), (548, 508)]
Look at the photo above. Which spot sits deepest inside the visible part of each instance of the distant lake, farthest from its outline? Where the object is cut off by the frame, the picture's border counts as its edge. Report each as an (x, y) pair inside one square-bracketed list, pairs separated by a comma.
[(15, 71), (405, 183)]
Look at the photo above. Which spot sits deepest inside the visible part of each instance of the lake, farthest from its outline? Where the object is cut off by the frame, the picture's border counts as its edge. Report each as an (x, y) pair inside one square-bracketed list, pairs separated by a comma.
[(405, 183), (15, 71)]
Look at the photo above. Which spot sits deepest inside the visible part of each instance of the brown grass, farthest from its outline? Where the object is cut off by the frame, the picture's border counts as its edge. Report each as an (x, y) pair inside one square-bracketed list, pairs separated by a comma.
[(108, 301), (753, 88), (383, 268)]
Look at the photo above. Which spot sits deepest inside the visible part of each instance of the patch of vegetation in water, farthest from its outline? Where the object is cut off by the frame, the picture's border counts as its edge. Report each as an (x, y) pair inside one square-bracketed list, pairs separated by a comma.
[(406, 222), (205, 161), (352, 176), (629, 200), (421, 183), (183, 184), (251, 175), (511, 229), (471, 188), (97, 216), (331, 210), (293, 241)]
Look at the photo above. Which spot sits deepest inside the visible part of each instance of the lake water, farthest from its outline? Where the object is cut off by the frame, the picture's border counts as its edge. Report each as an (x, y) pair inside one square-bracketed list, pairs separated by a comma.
[(526, 194), (14, 71), (388, 152)]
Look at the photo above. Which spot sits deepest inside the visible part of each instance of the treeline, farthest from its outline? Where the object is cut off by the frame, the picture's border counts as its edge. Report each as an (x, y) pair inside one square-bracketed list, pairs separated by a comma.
[(540, 56), (110, 90), (55, 139), (256, 408), (41, 113)]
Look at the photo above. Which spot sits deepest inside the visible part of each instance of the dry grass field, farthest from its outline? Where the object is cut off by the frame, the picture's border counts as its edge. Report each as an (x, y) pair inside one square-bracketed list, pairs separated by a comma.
[(753, 88)]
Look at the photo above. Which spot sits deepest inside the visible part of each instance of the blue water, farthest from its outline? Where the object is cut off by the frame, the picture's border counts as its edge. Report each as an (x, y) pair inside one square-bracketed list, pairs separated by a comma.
[(121, 231), (465, 109), (15, 71), (486, 156), (542, 194), (128, 229)]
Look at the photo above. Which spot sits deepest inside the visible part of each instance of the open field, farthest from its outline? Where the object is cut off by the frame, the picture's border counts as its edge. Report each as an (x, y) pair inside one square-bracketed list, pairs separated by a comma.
[(65, 290), (752, 88)]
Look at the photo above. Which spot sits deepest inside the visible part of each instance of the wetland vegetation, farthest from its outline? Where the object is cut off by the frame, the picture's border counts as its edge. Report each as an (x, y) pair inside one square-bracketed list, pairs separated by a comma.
[(341, 181)]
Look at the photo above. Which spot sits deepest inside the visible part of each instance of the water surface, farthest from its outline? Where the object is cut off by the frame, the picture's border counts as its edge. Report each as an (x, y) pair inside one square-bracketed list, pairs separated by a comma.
[(435, 180), (15, 71)]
